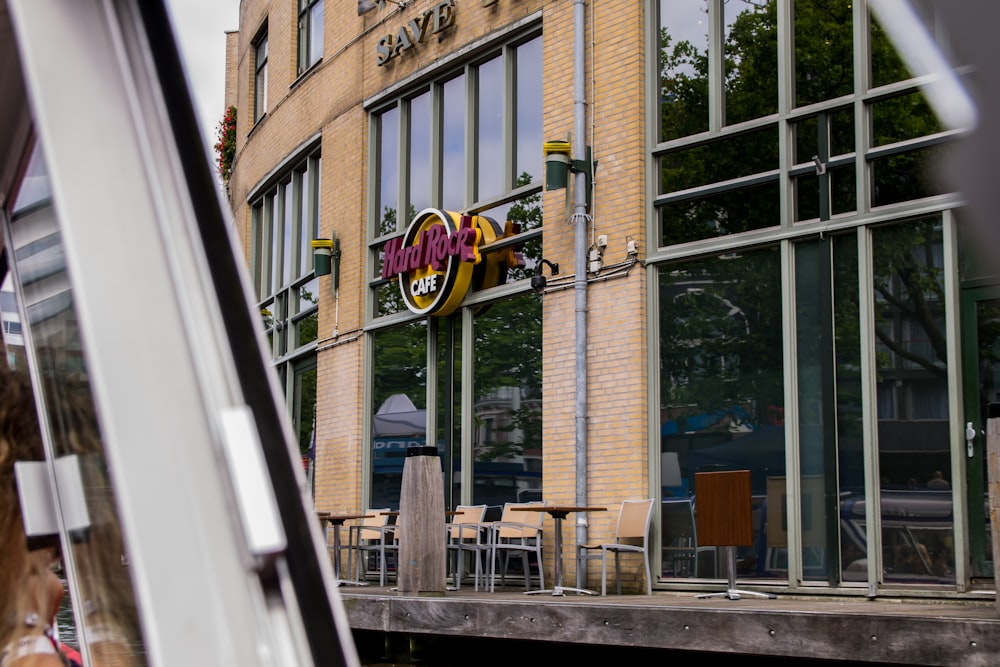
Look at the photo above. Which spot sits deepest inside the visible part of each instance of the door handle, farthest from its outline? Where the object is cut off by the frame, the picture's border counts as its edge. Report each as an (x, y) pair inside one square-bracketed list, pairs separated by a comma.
[(970, 438)]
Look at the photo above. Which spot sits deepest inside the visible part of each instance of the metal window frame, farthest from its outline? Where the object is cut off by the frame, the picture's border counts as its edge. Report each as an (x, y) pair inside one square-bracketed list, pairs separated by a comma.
[(144, 220)]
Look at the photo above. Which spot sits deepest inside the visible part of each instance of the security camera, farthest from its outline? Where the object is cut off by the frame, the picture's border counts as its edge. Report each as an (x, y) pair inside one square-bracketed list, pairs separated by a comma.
[(538, 284)]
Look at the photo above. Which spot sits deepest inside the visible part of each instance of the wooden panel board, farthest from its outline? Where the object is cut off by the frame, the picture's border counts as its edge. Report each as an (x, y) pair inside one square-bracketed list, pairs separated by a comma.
[(722, 508)]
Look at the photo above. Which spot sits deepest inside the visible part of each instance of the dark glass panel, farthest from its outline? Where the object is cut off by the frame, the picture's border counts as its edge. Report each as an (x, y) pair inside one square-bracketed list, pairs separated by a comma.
[(722, 397), (733, 157), (901, 118), (683, 68), (388, 169), (721, 214), (420, 153), (824, 50), (906, 176), (399, 400), (914, 434), (529, 111), (850, 449), (751, 59), (507, 402)]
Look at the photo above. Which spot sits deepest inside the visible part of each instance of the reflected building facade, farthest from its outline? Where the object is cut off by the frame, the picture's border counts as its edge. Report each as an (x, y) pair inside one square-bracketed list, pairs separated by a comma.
[(777, 279)]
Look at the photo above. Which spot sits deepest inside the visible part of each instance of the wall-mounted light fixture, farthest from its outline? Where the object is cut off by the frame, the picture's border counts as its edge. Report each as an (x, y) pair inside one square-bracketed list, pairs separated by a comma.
[(538, 281), (558, 164), (326, 259)]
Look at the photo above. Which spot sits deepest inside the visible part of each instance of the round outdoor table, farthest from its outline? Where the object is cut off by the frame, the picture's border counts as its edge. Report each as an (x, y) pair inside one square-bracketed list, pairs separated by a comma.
[(558, 513)]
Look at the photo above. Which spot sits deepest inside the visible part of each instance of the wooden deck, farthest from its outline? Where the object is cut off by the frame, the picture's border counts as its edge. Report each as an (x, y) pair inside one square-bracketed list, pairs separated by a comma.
[(886, 631)]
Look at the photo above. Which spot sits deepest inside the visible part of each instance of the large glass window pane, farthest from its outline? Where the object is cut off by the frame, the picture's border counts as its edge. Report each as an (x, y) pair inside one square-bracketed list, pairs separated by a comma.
[(398, 408), (287, 228), (316, 32), (905, 176), (824, 50), (736, 156), (826, 135), (914, 442), (729, 212), (529, 111), (307, 214), (901, 118), (453, 178), (750, 59), (490, 129), (260, 79), (388, 170), (683, 68), (722, 400), (304, 405), (420, 154), (449, 405), (850, 448), (306, 328), (276, 229), (507, 403)]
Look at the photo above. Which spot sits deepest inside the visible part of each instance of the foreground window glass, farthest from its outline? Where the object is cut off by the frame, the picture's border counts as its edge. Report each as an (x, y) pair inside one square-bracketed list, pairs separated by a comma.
[(104, 602), (722, 402)]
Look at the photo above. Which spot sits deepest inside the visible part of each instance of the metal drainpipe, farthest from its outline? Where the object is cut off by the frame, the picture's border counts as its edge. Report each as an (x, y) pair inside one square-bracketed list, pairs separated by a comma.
[(580, 282)]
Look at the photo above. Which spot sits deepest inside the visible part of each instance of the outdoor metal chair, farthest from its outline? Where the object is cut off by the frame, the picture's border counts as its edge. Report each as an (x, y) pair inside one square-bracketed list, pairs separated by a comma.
[(631, 536), (516, 532), (466, 534)]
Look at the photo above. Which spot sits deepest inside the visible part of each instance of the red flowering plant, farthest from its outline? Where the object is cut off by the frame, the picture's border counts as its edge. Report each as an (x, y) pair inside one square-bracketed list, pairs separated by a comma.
[(225, 146)]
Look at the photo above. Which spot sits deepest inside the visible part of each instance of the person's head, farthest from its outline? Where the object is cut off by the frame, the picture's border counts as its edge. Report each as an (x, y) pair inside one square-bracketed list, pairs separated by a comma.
[(19, 441)]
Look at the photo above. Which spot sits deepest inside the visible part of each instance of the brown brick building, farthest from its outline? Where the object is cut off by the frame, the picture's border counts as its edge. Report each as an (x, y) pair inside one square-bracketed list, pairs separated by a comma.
[(763, 273)]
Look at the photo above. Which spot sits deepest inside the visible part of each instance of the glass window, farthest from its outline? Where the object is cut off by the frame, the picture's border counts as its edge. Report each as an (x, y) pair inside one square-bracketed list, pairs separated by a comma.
[(388, 169), (507, 403), (722, 400), (489, 129), (497, 175), (824, 50), (285, 220), (95, 549), (700, 162), (310, 33), (750, 59), (507, 86), (683, 68), (420, 153), (260, 77), (398, 407), (913, 431)]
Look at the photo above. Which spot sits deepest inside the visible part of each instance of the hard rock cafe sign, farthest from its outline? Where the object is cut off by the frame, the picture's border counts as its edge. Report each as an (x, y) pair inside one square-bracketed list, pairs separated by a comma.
[(437, 261)]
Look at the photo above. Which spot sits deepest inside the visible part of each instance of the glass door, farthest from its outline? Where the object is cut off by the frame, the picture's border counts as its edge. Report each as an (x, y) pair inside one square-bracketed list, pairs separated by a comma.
[(981, 373)]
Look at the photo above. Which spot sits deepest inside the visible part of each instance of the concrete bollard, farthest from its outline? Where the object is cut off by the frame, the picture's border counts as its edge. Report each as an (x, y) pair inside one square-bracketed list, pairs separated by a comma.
[(422, 566)]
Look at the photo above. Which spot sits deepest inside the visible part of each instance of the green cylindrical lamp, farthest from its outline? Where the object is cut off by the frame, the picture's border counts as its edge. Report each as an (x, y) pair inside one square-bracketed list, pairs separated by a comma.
[(557, 163)]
